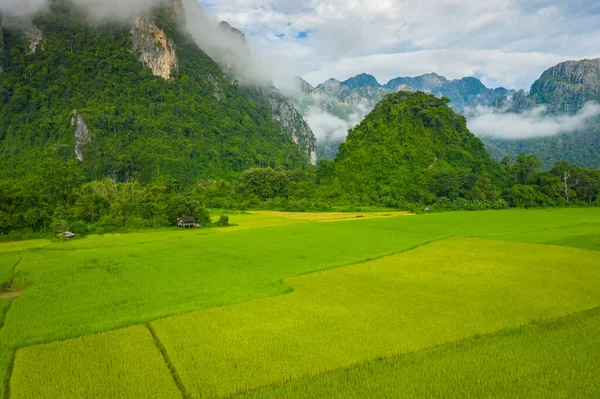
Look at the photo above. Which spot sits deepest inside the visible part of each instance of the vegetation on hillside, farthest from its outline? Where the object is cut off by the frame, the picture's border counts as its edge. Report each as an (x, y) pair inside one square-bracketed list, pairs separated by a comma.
[(144, 128), (411, 152)]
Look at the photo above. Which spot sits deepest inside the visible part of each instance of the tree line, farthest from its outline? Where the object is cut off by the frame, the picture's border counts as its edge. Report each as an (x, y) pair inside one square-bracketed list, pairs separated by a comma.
[(60, 198)]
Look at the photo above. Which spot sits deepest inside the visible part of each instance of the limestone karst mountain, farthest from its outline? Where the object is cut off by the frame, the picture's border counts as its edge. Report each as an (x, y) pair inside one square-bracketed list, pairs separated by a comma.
[(561, 90), (154, 105)]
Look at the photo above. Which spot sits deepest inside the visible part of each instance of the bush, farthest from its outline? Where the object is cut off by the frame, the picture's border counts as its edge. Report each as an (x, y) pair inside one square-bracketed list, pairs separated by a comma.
[(223, 221), (202, 216)]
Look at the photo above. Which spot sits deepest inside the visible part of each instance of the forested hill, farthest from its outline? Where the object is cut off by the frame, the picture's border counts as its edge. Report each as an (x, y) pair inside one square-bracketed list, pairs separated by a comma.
[(137, 101), (414, 146)]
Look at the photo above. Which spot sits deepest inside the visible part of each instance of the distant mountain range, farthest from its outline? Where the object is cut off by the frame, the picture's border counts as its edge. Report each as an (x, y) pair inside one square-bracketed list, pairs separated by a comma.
[(333, 107)]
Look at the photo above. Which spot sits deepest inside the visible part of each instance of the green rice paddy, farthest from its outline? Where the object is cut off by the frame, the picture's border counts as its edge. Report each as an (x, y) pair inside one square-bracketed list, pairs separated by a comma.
[(307, 307)]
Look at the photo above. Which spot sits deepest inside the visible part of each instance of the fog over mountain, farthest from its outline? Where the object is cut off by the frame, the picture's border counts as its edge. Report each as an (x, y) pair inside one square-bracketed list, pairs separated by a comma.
[(532, 124)]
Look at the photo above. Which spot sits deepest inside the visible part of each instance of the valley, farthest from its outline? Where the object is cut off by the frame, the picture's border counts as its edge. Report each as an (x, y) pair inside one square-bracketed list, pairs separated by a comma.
[(179, 220)]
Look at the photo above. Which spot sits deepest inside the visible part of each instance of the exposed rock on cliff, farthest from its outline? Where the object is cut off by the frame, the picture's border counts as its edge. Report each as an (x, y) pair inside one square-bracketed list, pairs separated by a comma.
[(83, 136), (1, 45), (284, 113), (34, 36), (237, 56), (154, 49), (568, 86)]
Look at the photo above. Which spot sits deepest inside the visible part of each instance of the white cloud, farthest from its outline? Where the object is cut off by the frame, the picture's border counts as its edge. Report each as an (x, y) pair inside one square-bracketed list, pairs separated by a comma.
[(494, 67), (343, 31), (95, 9), (535, 123), (327, 126)]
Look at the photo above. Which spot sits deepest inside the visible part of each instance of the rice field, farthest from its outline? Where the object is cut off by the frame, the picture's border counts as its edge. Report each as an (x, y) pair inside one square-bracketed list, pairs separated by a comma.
[(287, 301), (119, 364), (552, 359)]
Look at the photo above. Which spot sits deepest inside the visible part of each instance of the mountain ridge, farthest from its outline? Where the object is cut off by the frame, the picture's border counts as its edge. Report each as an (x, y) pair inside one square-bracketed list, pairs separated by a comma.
[(561, 90)]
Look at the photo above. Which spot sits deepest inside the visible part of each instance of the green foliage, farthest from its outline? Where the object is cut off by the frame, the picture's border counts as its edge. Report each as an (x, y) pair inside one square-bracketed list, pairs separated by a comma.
[(223, 221), (414, 147), (196, 125)]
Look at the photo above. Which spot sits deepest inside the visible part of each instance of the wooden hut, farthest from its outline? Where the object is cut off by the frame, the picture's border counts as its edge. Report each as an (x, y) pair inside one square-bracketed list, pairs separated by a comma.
[(186, 222)]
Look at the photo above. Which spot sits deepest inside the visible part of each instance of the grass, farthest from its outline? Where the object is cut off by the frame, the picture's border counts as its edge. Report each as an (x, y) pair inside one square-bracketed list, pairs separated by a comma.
[(119, 364), (7, 262), (70, 293), (553, 359), (331, 216), (103, 283), (113, 281), (398, 304), (6, 354)]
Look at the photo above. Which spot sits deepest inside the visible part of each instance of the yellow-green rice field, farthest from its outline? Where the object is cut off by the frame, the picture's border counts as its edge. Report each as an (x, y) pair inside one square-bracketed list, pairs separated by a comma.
[(463, 304)]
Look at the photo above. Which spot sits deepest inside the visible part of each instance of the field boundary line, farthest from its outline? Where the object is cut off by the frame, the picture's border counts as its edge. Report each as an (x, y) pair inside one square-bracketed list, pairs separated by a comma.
[(460, 342), (14, 269), (8, 376), (367, 260), (163, 351), (11, 363)]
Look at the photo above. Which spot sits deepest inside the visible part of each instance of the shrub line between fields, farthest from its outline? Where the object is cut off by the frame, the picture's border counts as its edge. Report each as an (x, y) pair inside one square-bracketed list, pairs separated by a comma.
[(460, 342), (163, 351)]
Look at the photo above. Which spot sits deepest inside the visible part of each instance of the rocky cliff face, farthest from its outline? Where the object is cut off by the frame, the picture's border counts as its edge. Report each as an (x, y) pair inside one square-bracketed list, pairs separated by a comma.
[(281, 107), (83, 135), (1, 45), (34, 36), (284, 113), (566, 87), (153, 48)]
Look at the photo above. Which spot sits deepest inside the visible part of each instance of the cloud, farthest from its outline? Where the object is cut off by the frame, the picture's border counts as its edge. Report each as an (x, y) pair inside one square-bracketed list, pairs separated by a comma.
[(532, 124), (96, 10), (343, 31), (494, 68), (329, 127)]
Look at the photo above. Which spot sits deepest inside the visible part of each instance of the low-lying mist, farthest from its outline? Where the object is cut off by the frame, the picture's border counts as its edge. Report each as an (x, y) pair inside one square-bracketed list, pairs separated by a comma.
[(532, 124)]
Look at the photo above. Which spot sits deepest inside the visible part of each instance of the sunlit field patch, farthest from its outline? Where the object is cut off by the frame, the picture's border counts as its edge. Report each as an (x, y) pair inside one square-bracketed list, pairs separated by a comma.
[(118, 364), (331, 216), (439, 293), (544, 360)]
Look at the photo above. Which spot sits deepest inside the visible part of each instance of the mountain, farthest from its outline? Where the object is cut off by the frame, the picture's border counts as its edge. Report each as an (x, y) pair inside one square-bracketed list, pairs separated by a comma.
[(362, 80), (562, 90), (414, 147), (426, 83), (265, 93), (566, 87), (128, 101), (350, 101)]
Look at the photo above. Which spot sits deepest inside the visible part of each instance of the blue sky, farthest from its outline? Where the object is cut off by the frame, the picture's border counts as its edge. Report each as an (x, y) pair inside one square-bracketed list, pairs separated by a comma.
[(503, 42)]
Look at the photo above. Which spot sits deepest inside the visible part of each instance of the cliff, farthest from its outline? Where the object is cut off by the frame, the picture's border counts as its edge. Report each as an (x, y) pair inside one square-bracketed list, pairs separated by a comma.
[(568, 86), (282, 110), (154, 49)]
